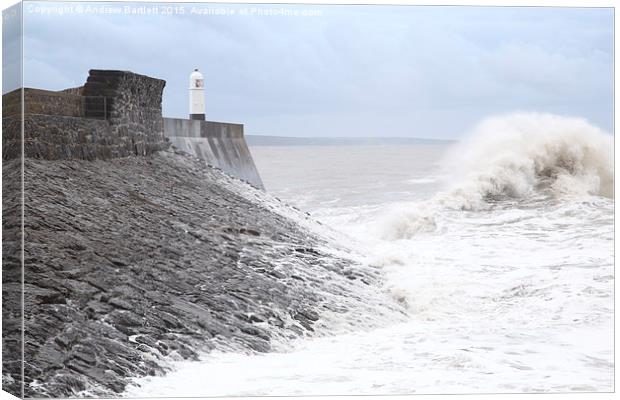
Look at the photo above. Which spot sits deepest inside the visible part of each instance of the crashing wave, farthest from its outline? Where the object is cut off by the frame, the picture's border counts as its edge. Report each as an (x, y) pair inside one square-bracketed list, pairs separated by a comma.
[(516, 156), (528, 154)]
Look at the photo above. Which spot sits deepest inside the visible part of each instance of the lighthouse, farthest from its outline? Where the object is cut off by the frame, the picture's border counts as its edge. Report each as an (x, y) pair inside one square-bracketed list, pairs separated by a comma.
[(196, 96)]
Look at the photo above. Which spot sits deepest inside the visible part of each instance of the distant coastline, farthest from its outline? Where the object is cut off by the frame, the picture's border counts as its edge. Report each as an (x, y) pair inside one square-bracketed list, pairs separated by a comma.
[(259, 140)]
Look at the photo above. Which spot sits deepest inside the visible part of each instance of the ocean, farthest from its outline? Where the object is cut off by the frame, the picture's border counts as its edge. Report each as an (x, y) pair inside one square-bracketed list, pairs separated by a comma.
[(499, 247)]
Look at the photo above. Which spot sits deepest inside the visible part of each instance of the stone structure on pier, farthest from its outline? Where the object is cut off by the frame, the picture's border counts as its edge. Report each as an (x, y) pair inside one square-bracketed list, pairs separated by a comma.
[(117, 114)]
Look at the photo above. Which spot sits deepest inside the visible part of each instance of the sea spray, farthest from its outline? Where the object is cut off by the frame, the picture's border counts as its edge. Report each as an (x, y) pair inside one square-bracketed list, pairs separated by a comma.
[(526, 154), (518, 157)]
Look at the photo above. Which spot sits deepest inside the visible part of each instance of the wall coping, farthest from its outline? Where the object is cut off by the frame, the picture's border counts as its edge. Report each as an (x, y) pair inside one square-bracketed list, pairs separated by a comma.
[(198, 121)]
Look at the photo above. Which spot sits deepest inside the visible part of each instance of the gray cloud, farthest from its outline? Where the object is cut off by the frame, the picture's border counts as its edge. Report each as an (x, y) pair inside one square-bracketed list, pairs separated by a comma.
[(353, 71)]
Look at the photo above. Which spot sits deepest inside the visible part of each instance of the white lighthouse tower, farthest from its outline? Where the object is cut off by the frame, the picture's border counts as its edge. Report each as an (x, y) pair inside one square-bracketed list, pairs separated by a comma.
[(196, 95)]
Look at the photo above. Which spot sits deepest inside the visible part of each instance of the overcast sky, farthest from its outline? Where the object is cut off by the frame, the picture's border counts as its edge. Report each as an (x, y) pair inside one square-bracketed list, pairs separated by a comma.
[(344, 71)]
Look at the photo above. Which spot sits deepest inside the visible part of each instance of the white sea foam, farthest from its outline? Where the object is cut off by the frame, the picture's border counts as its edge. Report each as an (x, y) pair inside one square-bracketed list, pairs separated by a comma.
[(505, 270), (421, 181)]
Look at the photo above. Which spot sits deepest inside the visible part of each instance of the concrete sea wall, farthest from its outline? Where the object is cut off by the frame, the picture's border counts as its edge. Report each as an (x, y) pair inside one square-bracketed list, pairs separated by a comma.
[(219, 144)]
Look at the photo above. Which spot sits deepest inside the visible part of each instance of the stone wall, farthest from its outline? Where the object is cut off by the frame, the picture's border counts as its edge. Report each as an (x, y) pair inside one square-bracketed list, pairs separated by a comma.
[(38, 101), (134, 106), (56, 137), (218, 144), (11, 137), (62, 125), (74, 90)]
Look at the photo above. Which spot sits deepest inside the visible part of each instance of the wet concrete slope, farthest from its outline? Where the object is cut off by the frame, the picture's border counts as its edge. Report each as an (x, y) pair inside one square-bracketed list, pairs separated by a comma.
[(219, 144)]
